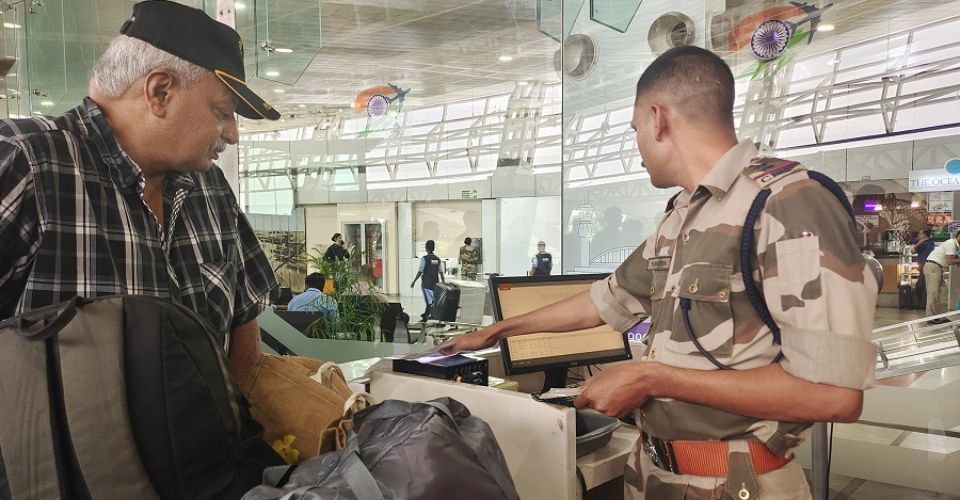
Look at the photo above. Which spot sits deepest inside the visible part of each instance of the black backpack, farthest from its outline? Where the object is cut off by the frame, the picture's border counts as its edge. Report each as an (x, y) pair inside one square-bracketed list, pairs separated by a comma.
[(122, 397)]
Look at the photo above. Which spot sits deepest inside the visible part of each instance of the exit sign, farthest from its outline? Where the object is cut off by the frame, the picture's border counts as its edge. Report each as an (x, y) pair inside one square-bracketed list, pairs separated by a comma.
[(470, 194)]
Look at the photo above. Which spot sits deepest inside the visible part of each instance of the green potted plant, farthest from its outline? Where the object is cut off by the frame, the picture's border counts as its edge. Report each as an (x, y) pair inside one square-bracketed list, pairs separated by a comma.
[(358, 314)]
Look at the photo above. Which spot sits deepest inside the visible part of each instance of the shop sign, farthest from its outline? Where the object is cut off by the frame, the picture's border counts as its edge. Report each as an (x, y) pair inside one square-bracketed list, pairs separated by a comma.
[(472, 194), (925, 181), (940, 202)]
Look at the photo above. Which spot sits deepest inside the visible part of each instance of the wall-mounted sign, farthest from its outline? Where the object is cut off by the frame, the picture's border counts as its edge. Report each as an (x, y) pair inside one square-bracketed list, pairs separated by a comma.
[(925, 181), (472, 194), (940, 202)]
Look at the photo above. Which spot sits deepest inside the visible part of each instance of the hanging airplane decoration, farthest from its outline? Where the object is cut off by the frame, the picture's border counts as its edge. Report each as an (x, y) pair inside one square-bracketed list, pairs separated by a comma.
[(377, 100)]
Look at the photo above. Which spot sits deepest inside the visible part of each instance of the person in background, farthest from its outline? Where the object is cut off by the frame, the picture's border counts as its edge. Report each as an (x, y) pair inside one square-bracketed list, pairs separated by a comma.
[(937, 261), (923, 245), (367, 284), (542, 263), (431, 270), (337, 251), (314, 300), (468, 260)]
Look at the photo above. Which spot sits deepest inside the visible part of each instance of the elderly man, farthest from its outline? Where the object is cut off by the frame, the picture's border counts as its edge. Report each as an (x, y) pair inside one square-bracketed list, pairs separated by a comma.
[(120, 196)]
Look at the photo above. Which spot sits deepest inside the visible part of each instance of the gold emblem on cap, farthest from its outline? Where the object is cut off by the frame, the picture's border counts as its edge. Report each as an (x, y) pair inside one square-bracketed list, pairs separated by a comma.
[(241, 44), (267, 106)]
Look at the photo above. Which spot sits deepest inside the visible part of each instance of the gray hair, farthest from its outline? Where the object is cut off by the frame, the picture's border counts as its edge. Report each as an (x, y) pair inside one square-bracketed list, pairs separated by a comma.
[(128, 59)]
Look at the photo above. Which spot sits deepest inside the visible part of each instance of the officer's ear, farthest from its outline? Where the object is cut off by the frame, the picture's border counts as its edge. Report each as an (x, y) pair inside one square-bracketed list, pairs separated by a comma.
[(659, 122)]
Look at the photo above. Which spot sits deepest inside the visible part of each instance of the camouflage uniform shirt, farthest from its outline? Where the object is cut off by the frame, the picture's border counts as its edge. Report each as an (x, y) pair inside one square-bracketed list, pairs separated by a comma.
[(811, 274)]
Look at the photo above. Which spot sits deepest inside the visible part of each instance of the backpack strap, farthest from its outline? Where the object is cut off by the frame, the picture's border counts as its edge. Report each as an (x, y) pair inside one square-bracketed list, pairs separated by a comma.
[(766, 171)]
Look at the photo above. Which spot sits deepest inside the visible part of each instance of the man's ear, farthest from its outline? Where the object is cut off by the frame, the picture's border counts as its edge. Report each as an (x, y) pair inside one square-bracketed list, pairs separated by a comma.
[(159, 87), (658, 115)]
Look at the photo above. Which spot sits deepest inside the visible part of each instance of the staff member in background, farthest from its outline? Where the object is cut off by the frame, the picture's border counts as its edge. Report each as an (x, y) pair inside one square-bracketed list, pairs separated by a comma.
[(923, 246), (120, 195), (468, 260), (542, 263), (711, 433), (336, 251), (431, 270), (942, 256)]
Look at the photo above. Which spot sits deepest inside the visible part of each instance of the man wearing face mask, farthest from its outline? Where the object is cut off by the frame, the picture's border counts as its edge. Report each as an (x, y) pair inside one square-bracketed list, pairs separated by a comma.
[(120, 194), (336, 251), (724, 430)]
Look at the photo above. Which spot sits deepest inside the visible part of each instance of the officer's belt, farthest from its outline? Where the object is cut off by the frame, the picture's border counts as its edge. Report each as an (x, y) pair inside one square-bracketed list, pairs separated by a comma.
[(706, 458)]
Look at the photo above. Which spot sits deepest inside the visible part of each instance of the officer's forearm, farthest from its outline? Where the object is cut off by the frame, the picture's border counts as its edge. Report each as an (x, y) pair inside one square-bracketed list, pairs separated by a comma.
[(573, 313), (769, 393)]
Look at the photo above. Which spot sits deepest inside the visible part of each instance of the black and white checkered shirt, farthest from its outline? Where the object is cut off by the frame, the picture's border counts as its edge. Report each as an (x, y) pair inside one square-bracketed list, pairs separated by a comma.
[(73, 222)]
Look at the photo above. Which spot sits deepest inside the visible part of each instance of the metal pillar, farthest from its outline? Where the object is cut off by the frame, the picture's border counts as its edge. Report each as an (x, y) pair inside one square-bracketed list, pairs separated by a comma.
[(820, 461)]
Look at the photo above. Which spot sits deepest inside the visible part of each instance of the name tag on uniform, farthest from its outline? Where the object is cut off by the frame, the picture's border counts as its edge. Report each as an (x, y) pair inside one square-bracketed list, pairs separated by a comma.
[(659, 264)]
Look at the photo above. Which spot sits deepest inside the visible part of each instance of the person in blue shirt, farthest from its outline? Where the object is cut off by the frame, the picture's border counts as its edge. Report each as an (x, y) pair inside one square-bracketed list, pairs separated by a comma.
[(431, 269), (314, 300)]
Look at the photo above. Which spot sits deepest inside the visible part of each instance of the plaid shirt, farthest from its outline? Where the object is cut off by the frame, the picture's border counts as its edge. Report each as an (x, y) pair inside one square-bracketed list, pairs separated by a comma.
[(73, 221)]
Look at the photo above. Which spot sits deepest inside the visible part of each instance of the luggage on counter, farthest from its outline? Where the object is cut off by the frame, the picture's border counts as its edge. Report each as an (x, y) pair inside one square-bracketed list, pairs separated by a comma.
[(304, 405), (451, 453), (905, 293), (122, 397), (446, 302)]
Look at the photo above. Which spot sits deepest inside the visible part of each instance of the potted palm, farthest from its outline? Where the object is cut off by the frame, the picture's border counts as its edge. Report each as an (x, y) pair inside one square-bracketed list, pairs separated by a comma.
[(358, 314)]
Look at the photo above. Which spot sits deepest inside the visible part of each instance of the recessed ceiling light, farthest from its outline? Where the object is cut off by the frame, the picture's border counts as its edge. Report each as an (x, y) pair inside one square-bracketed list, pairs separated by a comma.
[(12, 26), (11, 74), (272, 73), (283, 50), (46, 103), (240, 6), (522, 84), (826, 27), (505, 58), (279, 91), (38, 112), (313, 174), (301, 105)]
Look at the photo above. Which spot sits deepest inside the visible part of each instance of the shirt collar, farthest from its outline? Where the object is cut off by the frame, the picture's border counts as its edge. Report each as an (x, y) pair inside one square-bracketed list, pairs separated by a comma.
[(724, 173), (126, 173)]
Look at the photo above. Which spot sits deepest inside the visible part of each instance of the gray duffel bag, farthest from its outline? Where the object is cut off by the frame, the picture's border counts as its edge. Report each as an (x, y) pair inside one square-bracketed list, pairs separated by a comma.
[(402, 451)]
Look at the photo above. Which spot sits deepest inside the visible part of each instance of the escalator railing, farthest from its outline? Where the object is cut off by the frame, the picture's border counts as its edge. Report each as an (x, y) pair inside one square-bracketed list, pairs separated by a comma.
[(918, 345)]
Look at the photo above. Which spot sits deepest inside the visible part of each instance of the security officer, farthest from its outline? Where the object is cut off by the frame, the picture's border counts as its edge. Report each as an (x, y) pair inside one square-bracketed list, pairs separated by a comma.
[(431, 269), (542, 263), (708, 432)]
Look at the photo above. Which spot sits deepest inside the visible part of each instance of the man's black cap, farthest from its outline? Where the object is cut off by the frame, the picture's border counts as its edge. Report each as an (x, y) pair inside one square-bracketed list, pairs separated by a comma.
[(195, 37)]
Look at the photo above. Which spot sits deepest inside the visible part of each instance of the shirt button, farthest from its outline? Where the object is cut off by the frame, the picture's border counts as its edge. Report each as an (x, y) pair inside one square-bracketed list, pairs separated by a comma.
[(652, 290), (686, 237), (695, 286), (653, 353)]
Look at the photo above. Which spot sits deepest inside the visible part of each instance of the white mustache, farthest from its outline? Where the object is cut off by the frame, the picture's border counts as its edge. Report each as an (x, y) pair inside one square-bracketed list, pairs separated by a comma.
[(219, 146)]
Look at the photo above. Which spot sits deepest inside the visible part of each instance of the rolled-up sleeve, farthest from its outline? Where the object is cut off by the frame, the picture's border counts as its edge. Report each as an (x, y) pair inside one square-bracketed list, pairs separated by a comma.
[(623, 298), (818, 287), (255, 277)]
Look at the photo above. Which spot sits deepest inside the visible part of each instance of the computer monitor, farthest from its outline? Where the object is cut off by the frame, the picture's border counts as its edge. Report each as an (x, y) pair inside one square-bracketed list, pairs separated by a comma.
[(553, 353)]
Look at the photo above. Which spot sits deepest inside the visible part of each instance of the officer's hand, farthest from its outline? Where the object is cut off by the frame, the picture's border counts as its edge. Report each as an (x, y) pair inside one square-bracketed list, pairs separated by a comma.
[(617, 390), (469, 342)]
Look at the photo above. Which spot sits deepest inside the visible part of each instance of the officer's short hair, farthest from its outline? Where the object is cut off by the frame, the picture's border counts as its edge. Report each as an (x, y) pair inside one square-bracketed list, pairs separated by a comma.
[(467, 241), (335, 236), (315, 280), (430, 245), (697, 82)]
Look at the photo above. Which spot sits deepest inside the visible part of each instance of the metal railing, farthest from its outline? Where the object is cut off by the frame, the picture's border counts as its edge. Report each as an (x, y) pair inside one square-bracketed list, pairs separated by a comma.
[(918, 345)]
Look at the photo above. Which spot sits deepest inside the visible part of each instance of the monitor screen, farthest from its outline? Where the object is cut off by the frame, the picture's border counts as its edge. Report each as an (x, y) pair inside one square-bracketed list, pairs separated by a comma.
[(514, 296)]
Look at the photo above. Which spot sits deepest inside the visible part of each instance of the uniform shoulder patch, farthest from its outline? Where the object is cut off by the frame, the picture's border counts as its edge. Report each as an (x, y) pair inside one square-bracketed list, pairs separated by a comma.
[(766, 171)]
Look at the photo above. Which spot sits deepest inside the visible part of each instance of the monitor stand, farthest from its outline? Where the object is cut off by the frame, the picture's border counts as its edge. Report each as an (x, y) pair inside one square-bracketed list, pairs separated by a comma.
[(555, 378)]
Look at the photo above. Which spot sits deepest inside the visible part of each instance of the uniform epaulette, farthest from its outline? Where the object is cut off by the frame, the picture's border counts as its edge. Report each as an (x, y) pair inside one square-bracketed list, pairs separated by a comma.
[(670, 202), (766, 171)]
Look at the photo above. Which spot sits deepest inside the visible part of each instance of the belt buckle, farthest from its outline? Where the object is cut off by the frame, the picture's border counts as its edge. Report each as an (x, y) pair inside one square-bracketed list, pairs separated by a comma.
[(651, 449)]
